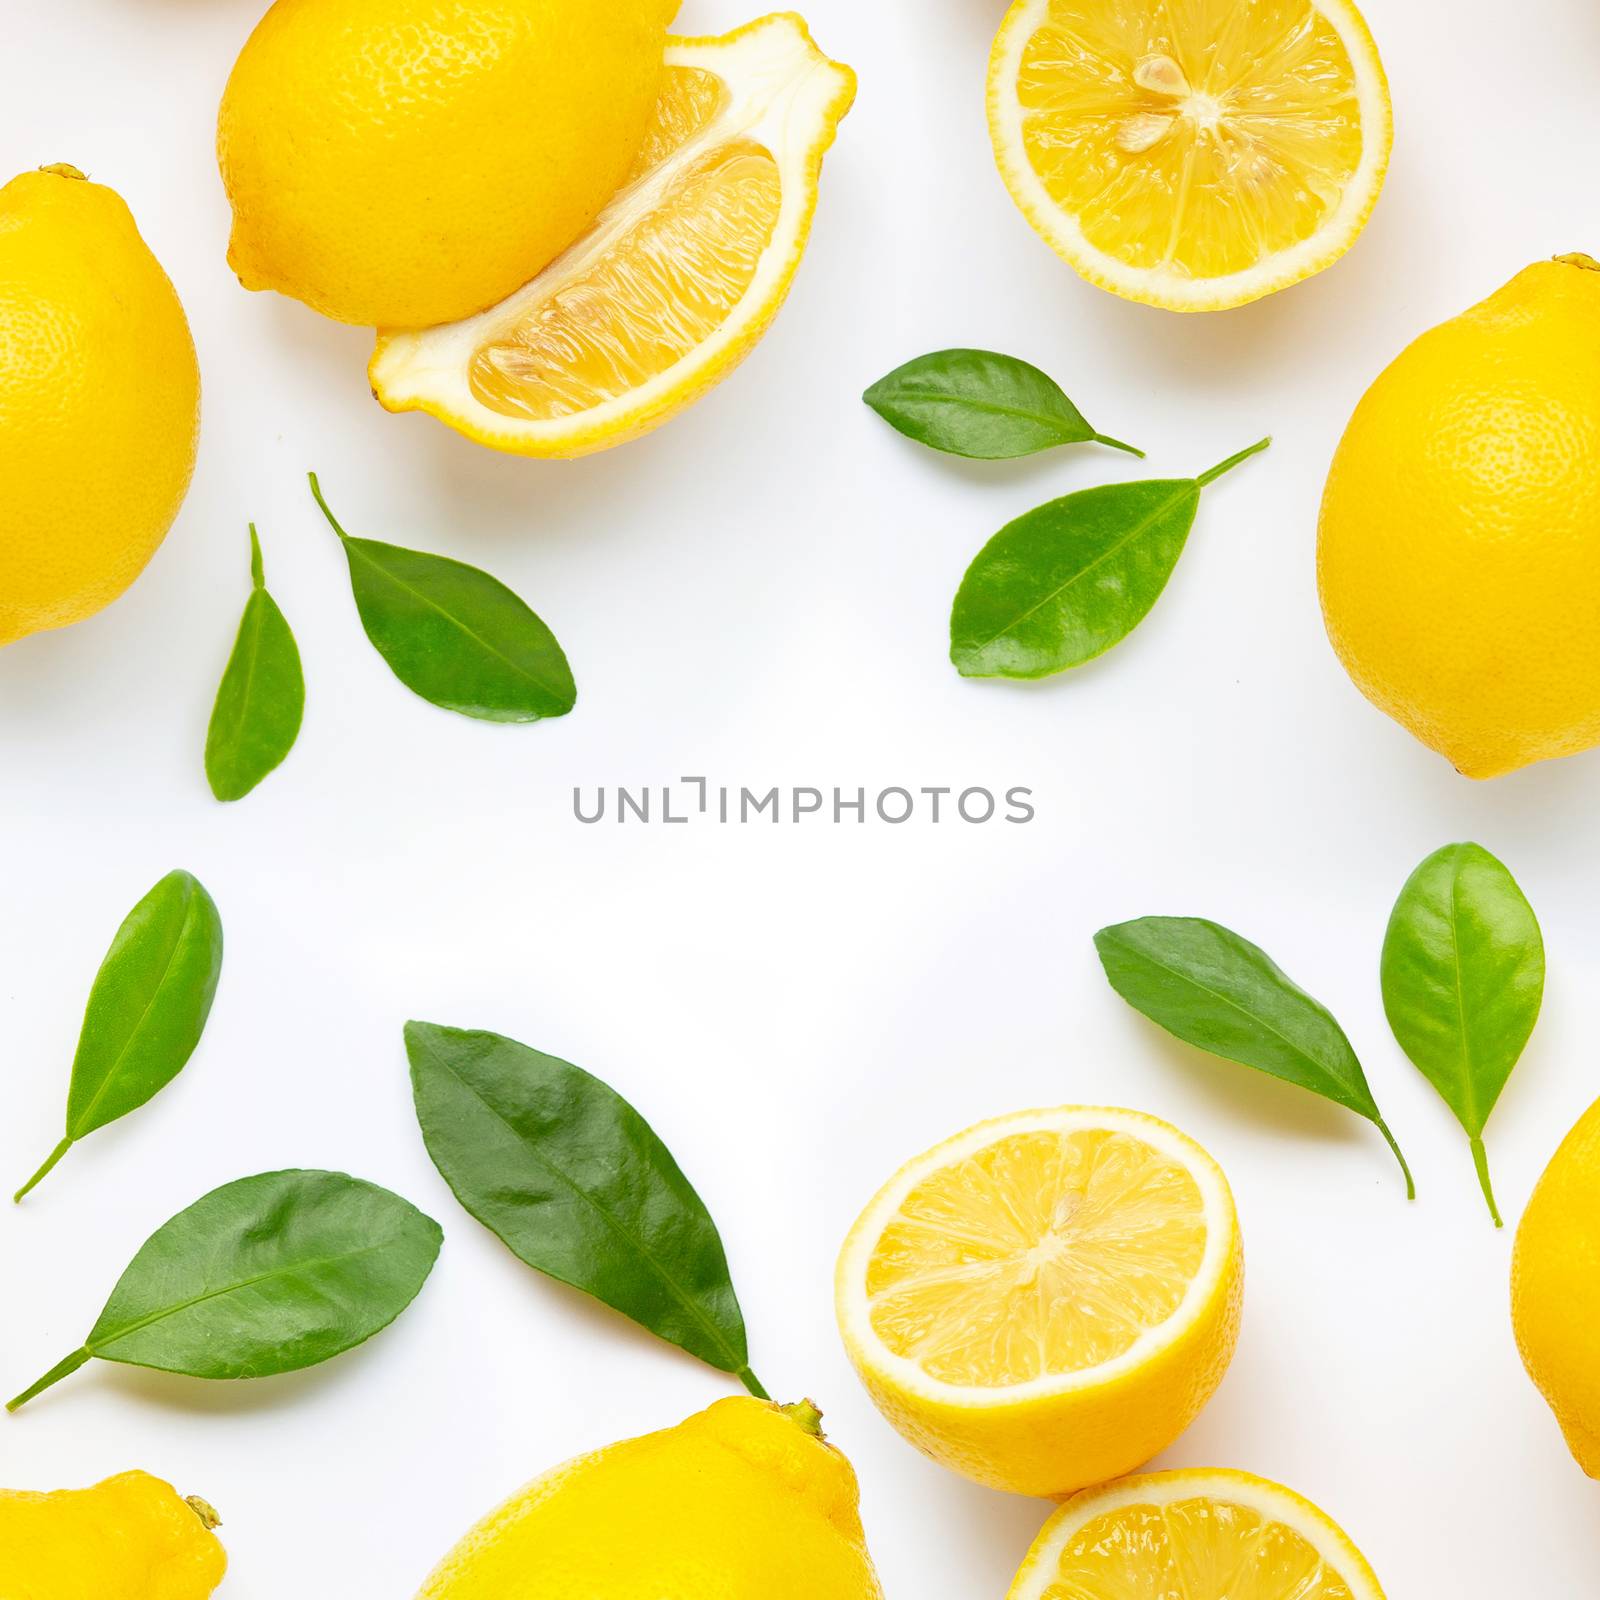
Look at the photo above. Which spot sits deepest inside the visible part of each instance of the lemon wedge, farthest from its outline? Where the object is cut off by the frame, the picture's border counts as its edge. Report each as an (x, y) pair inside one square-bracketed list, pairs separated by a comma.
[(675, 282), (1046, 1301), (1192, 157), (1205, 1535)]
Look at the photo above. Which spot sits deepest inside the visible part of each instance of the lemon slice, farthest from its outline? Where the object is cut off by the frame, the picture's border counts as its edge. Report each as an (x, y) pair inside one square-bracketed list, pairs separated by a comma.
[(1191, 156), (677, 279), (1204, 1535), (1047, 1300)]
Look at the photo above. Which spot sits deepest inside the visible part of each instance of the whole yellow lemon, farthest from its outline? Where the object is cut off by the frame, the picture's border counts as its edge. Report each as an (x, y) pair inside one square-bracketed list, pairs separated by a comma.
[(1555, 1288), (1458, 554), (130, 1538), (746, 1499), (99, 401), (399, 163)]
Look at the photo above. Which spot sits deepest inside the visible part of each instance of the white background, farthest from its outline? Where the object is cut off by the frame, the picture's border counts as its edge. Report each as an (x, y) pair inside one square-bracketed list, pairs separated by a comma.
[(759, 593)]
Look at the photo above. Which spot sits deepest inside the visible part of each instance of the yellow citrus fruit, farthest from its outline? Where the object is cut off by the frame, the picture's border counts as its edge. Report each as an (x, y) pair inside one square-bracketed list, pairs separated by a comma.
[(1202, 1534), (1555, 1288), (406, 162), (130, 1538), (1459, 547), (99, 399), (1047, 1300), (1191, 156), (746, 1499), (676, 281)]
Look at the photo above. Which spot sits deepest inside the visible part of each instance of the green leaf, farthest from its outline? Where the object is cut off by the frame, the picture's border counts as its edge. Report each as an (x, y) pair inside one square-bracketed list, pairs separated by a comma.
[(573, 1180), (1068, 580), (146, 1011), (454, 635), (1463, 980), (981, 404), (1211, 988), (262, 696), (266, 1275)]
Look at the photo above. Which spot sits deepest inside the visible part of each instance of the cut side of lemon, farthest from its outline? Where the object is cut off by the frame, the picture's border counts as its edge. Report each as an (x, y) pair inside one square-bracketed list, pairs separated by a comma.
[(1047, 1300), (677, 279), (1204, 1535), (1193, 156)]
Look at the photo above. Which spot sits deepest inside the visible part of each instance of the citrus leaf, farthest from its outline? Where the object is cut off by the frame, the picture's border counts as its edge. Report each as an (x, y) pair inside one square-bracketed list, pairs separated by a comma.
[(146, 1011), (1213, 989), (573, 1180), (1066, 581), (455, 635), (262, 696), (1463, 981), (265, 1275), (981, 404)]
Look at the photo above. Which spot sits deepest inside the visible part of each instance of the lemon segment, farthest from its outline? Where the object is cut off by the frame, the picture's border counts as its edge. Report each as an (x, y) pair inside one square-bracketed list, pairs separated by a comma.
[(1204, 1535), (1193, 157), (676, 281), (1046, 1301)]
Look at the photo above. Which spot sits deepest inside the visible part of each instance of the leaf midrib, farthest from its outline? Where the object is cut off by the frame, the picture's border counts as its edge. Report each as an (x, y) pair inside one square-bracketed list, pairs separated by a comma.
[(234, 1288), (1057, 423), (134, 1032), (1140, 528), (1234, 1005), (709, 1327), (358, 545)]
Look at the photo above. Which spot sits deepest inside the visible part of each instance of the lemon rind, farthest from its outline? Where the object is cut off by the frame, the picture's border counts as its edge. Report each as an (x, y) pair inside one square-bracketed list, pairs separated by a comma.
[(1172, 291), (426, 369), (1260, 1495), (1222, 1229)]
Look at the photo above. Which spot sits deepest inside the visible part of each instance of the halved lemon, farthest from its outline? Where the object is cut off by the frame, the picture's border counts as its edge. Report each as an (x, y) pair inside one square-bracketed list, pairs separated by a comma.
[(677, 279), (1047, 1300), (1205, 1535), (1192, 156)]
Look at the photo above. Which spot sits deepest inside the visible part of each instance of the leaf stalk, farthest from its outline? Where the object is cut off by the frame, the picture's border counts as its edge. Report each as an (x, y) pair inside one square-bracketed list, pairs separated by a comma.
[(63, 1369), (1117, 444), (1383, 1128), (752, 1383), (316, 494), (1480, 1160), (44, 1171), (1233, 461)]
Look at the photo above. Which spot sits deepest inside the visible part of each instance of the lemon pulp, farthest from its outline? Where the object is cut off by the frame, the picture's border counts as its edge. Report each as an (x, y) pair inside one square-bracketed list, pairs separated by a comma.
[(1194, 156), (657, 292), (1203, 1549), (1042, 1254)]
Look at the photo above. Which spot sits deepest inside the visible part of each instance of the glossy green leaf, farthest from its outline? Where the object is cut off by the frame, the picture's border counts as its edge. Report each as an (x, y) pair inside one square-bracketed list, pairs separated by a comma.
[(1068, 580), (1463, 980), (981, 404), (262, 697), (454, 635), (266, 1275), (1211, 988), (574, 1181), (146, 1011)]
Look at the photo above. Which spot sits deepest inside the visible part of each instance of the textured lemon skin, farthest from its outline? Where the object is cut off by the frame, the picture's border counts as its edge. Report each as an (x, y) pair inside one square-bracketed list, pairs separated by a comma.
[(399, 163), (1555, 1289), (129, 1538), (738, 1501), (1057, 1444), (1458, 553), (99, 401)]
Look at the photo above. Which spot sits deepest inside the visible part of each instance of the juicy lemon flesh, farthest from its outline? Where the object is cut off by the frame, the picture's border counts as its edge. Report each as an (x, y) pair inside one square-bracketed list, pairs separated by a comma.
[(1201, 1549), (1043, 1254), (1196, 139), (657, 292)]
